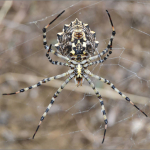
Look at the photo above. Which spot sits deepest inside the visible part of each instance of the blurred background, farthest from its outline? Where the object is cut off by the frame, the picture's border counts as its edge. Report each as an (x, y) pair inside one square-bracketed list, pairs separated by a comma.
[(75, 121)]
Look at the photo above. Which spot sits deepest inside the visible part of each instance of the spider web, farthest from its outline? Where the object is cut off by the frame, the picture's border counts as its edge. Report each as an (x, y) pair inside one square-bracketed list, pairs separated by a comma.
[(75, 121)]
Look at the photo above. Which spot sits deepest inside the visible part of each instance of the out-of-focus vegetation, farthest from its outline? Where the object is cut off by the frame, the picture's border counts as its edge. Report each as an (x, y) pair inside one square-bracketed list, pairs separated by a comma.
[(22, 52)]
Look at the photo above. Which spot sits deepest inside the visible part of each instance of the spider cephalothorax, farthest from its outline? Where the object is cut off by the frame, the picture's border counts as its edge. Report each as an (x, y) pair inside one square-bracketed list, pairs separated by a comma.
[(79, 71), (76, 45)]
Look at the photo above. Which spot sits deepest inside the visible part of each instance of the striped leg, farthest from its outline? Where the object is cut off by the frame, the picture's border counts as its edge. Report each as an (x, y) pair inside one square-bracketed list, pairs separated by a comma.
[(109, 46), (52, 101), (41, 82), (49, 48), (114, 88), (107, 50), (62, 57), (93, 63), (101, 102), (87, 62), (56, 53), (44, 29), (54, 62)]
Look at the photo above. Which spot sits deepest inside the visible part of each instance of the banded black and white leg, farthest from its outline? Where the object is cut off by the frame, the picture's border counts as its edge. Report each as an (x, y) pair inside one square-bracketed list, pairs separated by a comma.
[(105, 51), (54, 62), (52, 101), (48, 48), (109, 46), (44, 29), (114, 88), (101, 102), (41, 82)]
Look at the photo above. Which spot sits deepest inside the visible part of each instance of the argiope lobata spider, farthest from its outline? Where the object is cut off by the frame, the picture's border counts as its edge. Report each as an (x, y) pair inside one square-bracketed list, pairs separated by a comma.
[(77, 45)]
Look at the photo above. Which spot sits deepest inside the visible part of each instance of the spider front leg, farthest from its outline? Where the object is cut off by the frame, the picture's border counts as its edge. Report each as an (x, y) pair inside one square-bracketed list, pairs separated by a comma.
[(101, 102), (109, 46), (44, 29), (107, 50), (41, 82), (52, 101), (114, 88), (51, 61), (49, 48)]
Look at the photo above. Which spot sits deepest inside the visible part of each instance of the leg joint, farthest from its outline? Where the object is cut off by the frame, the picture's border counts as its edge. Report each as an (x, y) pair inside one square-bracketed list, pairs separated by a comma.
[(106, 121), (22, 90), (44, 30), (113, 33), (52, 101), (42, 118), (127, 98), (104, 113), (102, 103)]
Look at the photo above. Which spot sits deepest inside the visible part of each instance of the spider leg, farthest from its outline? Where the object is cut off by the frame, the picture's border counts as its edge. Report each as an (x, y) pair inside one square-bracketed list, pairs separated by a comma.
[(63, 57), (54, 62), (49, 48), (93, 63), (107, 50), (114, 88), (41, 82), (44, 29), (109, 46), (101, 102), (52, 101)]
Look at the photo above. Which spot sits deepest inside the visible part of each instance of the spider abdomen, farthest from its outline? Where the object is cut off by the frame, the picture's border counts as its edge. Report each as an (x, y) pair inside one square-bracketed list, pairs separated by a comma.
[(76, 38)]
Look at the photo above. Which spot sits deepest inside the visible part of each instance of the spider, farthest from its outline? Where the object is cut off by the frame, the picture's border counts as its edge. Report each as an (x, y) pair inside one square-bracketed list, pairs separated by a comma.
[(77, 45)]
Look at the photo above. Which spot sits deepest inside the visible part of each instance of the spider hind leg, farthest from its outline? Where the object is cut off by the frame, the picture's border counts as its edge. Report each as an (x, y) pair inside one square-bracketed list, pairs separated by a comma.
[(101, 102), (41, 82), (51, 103), (114, 88)]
